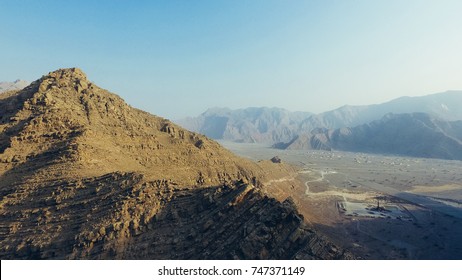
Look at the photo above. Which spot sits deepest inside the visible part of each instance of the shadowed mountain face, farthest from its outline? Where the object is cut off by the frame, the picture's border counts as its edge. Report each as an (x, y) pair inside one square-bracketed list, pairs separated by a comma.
[(418, 134), (84, 175), (262, 125)]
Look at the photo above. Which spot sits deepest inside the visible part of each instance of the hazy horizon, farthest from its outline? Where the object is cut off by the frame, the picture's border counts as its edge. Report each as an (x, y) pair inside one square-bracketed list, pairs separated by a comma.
[(179, 58)]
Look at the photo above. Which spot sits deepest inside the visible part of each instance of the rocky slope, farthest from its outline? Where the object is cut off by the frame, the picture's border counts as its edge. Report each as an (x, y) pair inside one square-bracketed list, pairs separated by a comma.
[(85, 176), (417, 134), (262, 125), (16, 85)]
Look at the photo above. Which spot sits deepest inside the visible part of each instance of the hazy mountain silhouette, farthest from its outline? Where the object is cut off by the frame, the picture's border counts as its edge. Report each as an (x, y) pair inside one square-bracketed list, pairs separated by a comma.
[(347, 127), (273, 125), (442, 105), (262, 125), (18, 84), (416, 134)]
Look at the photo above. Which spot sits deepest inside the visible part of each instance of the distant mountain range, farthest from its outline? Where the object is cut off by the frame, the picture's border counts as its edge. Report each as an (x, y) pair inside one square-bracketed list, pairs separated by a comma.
[(18, 84), (262, 125), (444, 105), (415, 134), (430, 125)]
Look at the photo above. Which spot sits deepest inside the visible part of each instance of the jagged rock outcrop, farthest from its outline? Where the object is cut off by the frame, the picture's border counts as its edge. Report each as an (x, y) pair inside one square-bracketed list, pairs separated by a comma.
[(276, 159), (85, 176)]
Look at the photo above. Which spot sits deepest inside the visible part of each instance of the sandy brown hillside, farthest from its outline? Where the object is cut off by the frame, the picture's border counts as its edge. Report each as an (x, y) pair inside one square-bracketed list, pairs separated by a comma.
[(95, 132), (84, 175)]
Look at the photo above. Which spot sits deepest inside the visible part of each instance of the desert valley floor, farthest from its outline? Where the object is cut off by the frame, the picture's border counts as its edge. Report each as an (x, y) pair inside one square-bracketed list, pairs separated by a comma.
[(378, 207)]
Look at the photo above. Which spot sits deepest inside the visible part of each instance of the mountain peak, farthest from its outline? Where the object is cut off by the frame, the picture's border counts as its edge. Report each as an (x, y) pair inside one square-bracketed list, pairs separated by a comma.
[(82, 126), (64, 78), (67, 73)]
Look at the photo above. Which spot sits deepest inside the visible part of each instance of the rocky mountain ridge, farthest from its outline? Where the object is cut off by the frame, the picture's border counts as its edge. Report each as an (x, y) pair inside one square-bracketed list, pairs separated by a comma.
[(85, 176), (86, 120)]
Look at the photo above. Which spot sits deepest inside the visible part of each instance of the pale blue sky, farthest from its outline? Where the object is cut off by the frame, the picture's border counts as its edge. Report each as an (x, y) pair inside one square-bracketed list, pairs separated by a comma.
[(178, 58)]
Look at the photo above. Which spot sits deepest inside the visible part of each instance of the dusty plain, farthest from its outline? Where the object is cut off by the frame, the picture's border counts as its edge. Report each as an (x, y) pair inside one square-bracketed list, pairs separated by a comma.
[(376, 206)]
